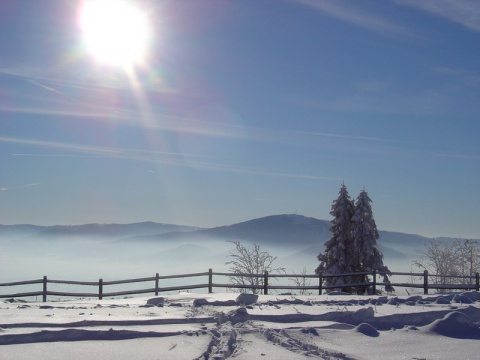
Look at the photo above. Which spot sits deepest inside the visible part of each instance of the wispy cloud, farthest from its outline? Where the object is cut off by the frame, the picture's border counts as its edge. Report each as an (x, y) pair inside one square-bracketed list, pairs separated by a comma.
[(215, 124), (20, 187), (45, 87), (348, 137), (460, 156), (79, 150), (55, 155), (60, 104), (59, 112), (348, 11), (421, 101), (262, 172), (58, 76), (448, 70), (465, 12), (167, 158), (466, 77), (62, 146)]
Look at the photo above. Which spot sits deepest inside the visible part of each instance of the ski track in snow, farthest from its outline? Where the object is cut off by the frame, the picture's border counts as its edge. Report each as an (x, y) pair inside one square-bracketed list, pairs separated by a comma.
[(219, 326)]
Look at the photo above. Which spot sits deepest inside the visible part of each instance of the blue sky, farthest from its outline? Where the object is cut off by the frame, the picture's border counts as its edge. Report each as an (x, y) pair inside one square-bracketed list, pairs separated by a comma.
[(245, 109)]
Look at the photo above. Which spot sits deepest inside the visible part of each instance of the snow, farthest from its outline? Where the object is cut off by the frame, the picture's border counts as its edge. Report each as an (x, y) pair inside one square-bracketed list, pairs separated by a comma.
[(226, 325)]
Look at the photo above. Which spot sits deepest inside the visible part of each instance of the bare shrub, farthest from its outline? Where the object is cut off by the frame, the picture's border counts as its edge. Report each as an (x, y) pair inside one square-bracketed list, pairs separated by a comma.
[(249, 266), (458, 258), (301, 280)]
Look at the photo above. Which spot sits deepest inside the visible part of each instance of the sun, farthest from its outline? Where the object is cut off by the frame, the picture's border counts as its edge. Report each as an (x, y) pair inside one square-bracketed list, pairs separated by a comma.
[(115, 32)]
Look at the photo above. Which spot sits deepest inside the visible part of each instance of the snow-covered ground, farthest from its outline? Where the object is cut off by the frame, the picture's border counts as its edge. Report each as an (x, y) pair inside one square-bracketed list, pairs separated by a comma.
[(224, 325)]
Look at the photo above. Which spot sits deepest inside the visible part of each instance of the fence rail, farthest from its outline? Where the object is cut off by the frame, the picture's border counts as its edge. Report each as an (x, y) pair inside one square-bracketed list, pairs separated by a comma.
[(260, 283)]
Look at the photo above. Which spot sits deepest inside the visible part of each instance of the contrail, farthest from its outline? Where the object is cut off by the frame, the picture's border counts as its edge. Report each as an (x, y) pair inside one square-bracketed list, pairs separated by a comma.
[(364, 138), (44, 86), (20, 187)]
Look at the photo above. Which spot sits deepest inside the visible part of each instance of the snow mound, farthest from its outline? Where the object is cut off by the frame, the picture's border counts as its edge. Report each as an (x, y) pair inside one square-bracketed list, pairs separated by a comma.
[(158, 301), (454, 324), (310, 330), (414, 298), (199, 302), (472, 295), (202, 302), (337, 293), (72, 335), (235, 316), (393, 301), (442, 300), (363, 315), (366, 329), (246, 299), (462, 299)]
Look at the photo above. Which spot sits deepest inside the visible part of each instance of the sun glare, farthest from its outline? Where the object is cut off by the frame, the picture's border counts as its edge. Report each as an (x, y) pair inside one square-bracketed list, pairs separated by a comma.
[(116, 32)]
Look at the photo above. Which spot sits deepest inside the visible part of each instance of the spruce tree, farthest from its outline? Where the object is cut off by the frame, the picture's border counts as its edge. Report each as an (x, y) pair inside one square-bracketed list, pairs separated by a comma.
[(365, 235), (338, 256)]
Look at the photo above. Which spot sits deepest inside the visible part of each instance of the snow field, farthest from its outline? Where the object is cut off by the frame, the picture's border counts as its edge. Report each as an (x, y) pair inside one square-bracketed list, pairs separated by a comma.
[(221, 326)]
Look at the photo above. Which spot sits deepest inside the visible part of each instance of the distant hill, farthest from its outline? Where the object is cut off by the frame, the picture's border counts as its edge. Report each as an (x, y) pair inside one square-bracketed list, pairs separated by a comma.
[(93, 230), (19, 231), (286, 230), (289, 230), (295, 239)]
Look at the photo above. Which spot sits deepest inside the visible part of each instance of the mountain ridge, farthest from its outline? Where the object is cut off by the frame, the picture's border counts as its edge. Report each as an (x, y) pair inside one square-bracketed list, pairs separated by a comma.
[(94, 229), (295, 239), (266, 224), (283, 229)]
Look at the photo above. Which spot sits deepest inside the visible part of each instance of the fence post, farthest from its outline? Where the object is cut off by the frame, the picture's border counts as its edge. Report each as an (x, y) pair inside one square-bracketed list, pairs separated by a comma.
[(210, 281), (265, 283), (100, 289), (477, 282), (45, 289), (156, 283), (320, 283), (374, 285), (425, 282)]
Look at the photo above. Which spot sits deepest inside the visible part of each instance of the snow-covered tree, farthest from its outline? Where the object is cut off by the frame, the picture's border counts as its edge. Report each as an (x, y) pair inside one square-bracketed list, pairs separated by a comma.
[(367, 256), (353, 245), (468, 258), (439, 259), (445, 258), (248, 264), (338, 256)]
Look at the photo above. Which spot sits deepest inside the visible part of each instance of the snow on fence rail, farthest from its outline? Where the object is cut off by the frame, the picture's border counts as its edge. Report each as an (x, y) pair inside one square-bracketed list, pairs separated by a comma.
[(262, 284)]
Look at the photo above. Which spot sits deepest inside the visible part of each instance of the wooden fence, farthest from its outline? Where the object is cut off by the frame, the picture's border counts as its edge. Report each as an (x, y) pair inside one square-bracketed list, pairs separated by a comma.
[(258, 283)]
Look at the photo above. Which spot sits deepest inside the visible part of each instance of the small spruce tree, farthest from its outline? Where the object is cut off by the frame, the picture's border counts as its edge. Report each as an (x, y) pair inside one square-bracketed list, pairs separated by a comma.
[(338, 256)]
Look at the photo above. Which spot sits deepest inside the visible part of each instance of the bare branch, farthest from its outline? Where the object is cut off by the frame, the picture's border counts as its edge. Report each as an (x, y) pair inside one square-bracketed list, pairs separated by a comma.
[(248, 262)]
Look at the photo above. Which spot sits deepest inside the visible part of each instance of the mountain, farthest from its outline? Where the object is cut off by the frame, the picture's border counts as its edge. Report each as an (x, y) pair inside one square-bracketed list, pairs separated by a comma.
[(21, 230), (283, 230), (288, 230), (93, 230), (111, 249), (305, 233)]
